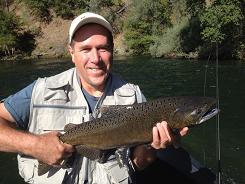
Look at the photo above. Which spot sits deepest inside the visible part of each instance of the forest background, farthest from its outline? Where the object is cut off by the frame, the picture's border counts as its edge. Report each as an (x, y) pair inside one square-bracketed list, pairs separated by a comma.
[(160, 28)]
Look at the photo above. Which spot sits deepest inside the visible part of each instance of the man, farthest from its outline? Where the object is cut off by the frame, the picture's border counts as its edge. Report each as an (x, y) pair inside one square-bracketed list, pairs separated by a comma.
[(43, 108)]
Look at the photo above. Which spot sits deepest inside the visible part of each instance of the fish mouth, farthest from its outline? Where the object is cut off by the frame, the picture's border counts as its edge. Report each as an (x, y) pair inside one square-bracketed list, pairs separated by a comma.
[(209, 114)]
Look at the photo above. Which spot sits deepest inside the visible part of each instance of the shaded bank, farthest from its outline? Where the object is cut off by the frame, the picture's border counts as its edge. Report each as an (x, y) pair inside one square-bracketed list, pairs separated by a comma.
[(170, 29)]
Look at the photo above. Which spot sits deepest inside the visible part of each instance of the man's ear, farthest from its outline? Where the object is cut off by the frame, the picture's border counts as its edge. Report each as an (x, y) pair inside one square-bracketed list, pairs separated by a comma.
[(71, 51)]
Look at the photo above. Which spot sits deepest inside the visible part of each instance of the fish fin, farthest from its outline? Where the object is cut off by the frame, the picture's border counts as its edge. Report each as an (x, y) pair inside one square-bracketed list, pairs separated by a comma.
[(122, 155), (51, 170), (94, 154), (43, 168), (69, 126)]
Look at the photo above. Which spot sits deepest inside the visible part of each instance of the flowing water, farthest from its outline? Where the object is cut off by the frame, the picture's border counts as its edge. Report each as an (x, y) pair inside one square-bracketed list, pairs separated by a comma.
[(161, 77)]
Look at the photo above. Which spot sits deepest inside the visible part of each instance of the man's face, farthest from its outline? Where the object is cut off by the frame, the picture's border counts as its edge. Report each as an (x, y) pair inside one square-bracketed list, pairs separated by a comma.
[(91, 53)]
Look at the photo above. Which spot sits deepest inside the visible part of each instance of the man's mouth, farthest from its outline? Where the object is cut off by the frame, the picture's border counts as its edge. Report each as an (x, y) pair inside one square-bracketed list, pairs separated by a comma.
[(96, 70)]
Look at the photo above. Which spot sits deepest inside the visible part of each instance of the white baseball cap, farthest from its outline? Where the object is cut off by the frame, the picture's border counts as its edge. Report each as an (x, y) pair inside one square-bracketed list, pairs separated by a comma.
[(87, 18)]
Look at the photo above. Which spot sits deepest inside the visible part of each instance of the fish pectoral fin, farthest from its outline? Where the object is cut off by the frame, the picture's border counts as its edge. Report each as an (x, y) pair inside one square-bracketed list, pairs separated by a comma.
[(51, 170), (43, 168), (93, 153)]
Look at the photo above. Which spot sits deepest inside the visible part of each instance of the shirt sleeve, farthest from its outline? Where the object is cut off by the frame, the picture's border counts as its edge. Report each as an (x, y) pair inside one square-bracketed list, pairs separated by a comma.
[(18, 105)]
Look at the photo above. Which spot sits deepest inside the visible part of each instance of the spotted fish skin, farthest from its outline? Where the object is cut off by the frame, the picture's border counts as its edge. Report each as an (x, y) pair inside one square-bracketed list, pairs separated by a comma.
[(128, 125), (132, 124)]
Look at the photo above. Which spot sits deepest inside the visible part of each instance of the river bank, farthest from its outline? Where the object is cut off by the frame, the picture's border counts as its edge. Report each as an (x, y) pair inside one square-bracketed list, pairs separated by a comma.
[(176, 36)]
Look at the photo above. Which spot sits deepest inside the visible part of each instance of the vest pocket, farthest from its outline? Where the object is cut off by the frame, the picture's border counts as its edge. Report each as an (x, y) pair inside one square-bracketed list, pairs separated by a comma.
[(26, 168), (49, 119), (28, 171), (54, 118), (58, 123), (125, 96), (119, 174)]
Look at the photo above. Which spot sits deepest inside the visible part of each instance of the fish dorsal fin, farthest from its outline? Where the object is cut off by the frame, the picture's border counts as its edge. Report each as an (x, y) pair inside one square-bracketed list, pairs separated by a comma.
[(108, 110), (69, 126)]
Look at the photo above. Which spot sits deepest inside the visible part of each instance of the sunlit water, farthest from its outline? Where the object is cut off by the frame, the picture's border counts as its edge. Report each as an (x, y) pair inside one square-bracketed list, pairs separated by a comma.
[(161, 77)]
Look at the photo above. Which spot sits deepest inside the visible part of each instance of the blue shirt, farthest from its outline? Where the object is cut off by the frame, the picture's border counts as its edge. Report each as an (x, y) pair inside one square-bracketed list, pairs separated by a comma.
[(92, 101), (18, 104)]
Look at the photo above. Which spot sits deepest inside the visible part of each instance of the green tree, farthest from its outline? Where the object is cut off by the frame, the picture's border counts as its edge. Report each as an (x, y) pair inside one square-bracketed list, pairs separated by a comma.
[(145, 21), (183, 36), (67, 8), (9, 28), (40, 8), (220, 20), (108, 9), (5, 4), (221, 23)]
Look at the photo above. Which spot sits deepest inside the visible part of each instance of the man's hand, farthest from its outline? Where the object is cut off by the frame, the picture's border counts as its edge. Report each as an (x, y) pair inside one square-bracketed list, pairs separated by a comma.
[(45, 147), (162, 137), (50, 150)]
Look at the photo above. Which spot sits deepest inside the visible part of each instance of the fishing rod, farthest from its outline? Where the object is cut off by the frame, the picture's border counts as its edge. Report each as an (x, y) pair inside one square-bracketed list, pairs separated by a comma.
[(204, 94), (218, 143)]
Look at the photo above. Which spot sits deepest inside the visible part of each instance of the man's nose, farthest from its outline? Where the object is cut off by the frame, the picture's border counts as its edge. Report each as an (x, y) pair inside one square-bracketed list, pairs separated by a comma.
[(95, 56)]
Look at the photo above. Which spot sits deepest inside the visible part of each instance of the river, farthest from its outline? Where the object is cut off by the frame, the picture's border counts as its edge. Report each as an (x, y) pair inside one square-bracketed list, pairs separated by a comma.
[(161, 77)]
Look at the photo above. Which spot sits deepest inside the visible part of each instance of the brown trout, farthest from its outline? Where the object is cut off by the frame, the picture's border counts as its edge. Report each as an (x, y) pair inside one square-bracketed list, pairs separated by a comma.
[(130, 125)]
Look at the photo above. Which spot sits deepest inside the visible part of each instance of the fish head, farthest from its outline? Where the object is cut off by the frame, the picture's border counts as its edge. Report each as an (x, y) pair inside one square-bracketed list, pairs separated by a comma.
[(194, 111)]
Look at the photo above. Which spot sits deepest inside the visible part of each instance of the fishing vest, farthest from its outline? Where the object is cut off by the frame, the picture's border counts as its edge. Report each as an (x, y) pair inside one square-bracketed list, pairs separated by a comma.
[(57, 101)]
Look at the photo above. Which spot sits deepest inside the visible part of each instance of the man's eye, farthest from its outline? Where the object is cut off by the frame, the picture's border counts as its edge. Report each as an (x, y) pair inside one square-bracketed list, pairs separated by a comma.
[(102, 49), (85, 50)]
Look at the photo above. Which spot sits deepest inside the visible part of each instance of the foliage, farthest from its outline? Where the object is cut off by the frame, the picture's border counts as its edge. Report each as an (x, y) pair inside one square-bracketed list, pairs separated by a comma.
[(178, 11), (4, 4), (108, 9), (68, 8), (40, 8), (157, 27), (170, 40), (8, 31), (222, 23), (12, 38), (194, 7), (219, 20), (145, 20), (190, 36), (182, 37)]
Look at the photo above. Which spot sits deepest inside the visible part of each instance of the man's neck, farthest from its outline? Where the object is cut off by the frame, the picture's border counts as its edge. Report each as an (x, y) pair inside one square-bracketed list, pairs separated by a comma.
[(94, 91)]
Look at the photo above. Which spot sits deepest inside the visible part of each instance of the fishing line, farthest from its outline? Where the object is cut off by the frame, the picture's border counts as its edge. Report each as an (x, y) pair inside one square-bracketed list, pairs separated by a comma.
[(204, 94), (205, 76), (218, 144)]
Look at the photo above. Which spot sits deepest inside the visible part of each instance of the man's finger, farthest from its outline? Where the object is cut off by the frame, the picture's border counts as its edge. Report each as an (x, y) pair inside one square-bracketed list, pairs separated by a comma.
[(156, 138), (184, 131), (165, 131)]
